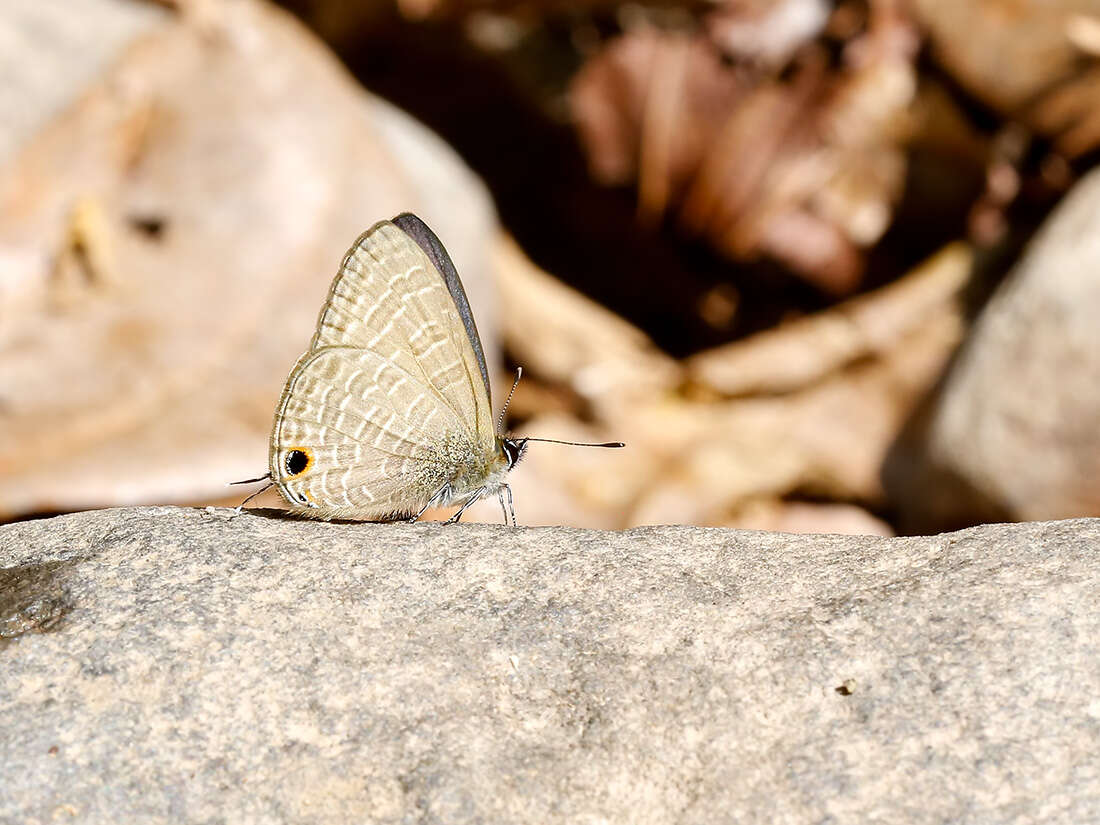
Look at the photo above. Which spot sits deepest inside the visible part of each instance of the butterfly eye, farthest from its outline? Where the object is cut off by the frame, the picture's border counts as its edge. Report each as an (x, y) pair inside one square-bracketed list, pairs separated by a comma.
[(297, 461), (513, 451)]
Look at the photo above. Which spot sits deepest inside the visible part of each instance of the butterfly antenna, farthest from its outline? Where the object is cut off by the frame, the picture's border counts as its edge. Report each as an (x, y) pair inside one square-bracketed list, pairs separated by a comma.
[(500, 419), (264, 477), (575, 443)]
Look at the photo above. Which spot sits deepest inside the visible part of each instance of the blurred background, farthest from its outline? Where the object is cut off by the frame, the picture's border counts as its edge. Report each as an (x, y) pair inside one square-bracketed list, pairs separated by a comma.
[(826, 266)]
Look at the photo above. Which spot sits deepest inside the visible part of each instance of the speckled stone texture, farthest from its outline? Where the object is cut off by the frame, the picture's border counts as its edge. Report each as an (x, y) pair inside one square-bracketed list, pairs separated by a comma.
[(178, 666)]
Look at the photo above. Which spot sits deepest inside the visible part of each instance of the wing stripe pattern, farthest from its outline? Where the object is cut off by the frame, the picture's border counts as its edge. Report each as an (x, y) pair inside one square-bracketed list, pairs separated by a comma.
[(385, 472), (302, 408), (437, 253), (364, 310)]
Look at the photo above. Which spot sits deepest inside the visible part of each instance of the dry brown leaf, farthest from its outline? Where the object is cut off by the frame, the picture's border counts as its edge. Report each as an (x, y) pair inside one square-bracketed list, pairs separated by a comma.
[(1034, 60), (561, 336), (806, 169), (766, 32), (805, 351), (704, 461), (828, 440), (614, 108)]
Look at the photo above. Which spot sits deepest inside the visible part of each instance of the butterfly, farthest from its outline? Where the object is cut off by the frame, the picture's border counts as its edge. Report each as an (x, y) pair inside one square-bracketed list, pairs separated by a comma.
[(389, 412)]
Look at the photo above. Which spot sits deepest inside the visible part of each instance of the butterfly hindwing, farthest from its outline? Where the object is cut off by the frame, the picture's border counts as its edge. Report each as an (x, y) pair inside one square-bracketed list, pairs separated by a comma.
[(361, 436)]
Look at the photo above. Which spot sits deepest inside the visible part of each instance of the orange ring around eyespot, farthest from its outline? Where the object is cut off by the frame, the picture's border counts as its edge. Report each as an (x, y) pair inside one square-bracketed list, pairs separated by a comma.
[(306, 451)]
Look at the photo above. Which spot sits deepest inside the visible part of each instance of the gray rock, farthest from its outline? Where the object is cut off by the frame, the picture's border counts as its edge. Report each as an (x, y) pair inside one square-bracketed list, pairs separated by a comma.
[(172, 665), (1015, 429)]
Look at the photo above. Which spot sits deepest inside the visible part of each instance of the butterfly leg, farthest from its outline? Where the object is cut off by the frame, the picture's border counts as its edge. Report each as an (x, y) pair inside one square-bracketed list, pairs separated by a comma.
[(506, 504), (478, 493), (240, 507), (443, 494)]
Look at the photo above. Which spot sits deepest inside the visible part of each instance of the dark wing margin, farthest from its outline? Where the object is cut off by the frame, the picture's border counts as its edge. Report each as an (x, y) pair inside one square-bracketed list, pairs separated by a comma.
[(433, 248)]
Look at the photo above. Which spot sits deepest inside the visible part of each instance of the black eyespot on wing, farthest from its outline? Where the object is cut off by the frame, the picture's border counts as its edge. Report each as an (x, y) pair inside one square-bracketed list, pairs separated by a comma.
[(297, 462)]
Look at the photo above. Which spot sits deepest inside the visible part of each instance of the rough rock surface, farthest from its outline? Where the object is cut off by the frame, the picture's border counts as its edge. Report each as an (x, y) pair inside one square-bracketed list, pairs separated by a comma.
[(1013, 430), (173, 665)]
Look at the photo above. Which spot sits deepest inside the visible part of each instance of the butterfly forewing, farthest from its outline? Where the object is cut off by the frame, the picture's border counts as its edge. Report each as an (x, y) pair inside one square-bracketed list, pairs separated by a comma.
[(437, 253), (389, 298)]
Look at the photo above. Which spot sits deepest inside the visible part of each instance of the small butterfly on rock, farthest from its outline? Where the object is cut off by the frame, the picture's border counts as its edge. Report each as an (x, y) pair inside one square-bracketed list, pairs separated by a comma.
[(389, 412)]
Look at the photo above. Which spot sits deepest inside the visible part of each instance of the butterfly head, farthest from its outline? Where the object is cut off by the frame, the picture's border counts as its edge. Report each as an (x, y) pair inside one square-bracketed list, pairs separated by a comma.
[(513, 449)]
